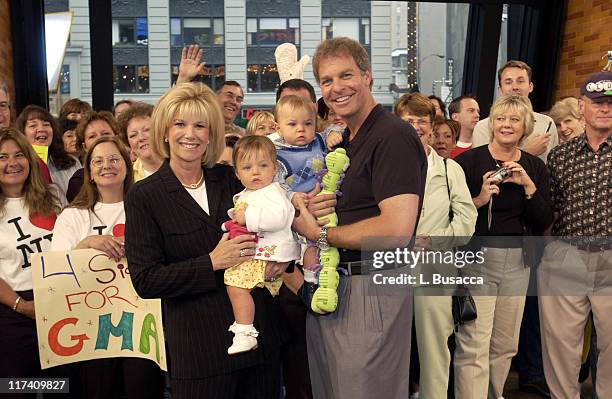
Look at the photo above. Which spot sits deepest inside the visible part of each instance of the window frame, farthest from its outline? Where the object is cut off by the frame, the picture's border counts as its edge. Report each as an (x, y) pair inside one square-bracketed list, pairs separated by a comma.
[(288, 24), (137, 81), (258, 88), (212, 27), (364, 26), (134, 23)]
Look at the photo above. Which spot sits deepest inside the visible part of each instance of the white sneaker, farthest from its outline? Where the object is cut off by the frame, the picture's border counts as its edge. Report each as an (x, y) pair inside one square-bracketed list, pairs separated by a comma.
[(245, 338)]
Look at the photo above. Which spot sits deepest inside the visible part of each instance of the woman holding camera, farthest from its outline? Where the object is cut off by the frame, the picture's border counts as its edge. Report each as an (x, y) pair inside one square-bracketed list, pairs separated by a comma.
[(510, 189)]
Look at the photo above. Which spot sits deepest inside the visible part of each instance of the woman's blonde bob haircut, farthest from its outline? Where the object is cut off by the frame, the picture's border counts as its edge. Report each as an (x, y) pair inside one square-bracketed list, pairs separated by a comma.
[(517, 103), (188, 100), (564, 108)]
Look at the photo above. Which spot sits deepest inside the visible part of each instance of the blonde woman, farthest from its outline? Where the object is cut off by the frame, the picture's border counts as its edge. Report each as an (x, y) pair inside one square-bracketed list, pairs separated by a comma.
[(510, 205), (261, 124), (177, 252), (566, 115)]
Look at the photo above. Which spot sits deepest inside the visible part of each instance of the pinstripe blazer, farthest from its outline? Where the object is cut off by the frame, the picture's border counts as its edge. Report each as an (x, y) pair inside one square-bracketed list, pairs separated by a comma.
[(168, 238)]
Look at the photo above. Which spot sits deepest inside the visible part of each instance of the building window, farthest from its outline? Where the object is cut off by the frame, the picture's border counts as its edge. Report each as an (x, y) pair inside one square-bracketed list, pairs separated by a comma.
[(130, 31), (355, 28), (65, 79), (131, 78), (214, 75), (262, 78), (272, 31), (203, 31)]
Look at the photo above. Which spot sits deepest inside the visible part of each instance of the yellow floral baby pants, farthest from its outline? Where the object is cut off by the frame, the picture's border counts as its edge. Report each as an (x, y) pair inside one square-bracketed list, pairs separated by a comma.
[(250, 274)]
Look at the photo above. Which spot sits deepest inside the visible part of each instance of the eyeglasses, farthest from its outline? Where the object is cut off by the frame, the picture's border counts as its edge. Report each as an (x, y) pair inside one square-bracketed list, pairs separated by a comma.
[(4, 106), (232, 96), (113, 160), (419, 122)]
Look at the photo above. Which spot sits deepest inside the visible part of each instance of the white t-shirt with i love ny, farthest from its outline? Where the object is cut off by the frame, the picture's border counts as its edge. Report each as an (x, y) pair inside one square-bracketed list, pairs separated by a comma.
[(73, 224), (21, 236)]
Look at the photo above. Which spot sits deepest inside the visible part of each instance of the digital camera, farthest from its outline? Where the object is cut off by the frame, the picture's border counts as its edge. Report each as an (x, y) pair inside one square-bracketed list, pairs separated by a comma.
[(501, 174)]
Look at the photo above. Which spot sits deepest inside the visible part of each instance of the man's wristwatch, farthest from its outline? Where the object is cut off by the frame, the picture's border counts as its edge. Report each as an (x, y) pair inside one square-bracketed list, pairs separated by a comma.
[(322, 241)]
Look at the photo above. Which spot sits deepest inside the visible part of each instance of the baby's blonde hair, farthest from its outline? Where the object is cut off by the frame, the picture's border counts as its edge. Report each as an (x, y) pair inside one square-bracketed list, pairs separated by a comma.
[(249, 147), (258, 119), (290, 104)]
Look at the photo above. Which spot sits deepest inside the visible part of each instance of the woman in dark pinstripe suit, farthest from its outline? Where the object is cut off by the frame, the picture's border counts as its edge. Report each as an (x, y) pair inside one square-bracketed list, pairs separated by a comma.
[(177, 252)]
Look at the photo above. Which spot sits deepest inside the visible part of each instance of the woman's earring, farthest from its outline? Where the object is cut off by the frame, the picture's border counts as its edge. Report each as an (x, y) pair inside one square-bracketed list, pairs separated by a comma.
[(166, 139)]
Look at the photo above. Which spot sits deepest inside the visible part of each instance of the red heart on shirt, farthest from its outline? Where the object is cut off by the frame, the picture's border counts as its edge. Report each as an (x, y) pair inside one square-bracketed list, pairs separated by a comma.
[(43, 222), (119, 230)]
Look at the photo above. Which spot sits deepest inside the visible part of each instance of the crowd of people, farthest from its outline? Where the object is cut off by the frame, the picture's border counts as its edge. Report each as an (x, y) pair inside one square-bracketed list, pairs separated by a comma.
[(229, 227)]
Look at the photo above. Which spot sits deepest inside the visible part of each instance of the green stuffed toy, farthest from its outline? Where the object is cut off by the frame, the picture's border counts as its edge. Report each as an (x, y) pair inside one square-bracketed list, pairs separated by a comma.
[(325, 298)]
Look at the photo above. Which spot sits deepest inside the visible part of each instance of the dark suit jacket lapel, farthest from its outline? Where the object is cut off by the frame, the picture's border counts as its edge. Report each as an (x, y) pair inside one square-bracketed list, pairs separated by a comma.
[(182, 198)]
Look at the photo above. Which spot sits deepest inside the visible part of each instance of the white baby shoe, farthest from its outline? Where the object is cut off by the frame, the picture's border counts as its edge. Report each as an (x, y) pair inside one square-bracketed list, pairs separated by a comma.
[(245, 338)]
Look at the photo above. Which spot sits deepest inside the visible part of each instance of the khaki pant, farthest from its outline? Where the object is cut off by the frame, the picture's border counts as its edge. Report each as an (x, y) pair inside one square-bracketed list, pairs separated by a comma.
[(433, 319), (486, 346), (571, 283)]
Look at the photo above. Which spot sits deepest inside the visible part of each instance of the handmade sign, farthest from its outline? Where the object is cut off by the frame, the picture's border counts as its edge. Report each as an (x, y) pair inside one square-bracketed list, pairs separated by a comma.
[(86, 308)]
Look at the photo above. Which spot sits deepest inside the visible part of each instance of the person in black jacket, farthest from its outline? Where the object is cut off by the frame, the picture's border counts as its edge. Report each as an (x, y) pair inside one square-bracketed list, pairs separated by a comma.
[(511, 204), (177, 251)]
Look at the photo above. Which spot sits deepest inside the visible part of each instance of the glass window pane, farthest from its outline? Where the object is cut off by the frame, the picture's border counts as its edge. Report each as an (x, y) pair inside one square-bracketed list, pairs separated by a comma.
[(294, 23), (251, 25), (176, 36), (174, 70), (348, 27), (115, 32), (143, 79), (126, 32), (142, 32), (272, 23), (219, 35), (364, 34), (124, 78), (175, 26), (195, 30), (252, 72), (269, 77), (219, 76), (196, 23), (218, 26), (65, 79)]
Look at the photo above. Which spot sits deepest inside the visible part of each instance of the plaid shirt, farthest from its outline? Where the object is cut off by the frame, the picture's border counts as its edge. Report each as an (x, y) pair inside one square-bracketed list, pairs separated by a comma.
[(581, 188)]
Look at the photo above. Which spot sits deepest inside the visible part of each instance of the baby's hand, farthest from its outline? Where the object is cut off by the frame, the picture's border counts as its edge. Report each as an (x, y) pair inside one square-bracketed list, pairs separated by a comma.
[(239, 214), (333, 139)]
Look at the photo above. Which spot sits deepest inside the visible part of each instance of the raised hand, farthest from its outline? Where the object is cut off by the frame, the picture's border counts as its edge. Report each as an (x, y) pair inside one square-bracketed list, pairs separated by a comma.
[(190, 65)]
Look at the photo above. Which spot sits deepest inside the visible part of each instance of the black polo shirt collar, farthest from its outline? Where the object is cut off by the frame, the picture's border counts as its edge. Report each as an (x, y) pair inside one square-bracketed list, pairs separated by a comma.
[(365, 126)]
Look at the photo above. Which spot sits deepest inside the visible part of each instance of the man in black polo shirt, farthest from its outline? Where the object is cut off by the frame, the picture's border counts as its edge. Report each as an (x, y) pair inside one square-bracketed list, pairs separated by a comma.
[(362, 350)]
